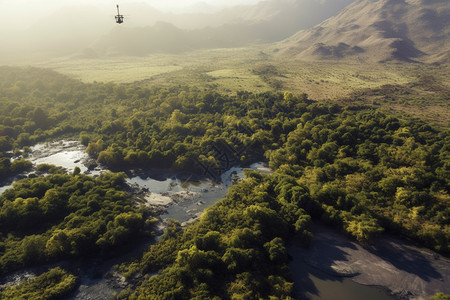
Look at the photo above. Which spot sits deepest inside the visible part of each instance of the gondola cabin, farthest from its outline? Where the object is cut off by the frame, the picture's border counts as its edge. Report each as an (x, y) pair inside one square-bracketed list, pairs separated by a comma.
[(119, 17)]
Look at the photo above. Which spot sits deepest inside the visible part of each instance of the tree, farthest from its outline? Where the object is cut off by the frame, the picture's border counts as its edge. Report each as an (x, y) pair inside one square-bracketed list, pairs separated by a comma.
[(364, 228), (276, 250)]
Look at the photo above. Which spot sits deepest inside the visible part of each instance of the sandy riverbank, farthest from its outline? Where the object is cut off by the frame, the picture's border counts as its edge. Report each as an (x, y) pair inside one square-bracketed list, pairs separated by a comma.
[(408, 271)]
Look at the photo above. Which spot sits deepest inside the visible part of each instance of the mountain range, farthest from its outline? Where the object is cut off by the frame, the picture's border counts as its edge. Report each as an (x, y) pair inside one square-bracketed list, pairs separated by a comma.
[(406, 30), (378, 30)]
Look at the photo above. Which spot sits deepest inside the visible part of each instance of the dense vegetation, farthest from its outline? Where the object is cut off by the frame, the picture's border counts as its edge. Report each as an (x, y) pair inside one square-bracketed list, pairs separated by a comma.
[(54, 284), (378, 173), (65, 216), (352, 167), (237, 249), (17, 166)]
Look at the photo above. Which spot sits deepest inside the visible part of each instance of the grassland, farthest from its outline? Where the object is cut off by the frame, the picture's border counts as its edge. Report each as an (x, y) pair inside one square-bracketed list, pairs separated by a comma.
[(252, 69), (117, 69)]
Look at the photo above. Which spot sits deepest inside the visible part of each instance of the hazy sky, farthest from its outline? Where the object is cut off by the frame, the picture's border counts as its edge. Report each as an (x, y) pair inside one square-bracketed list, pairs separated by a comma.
[(22, 13)]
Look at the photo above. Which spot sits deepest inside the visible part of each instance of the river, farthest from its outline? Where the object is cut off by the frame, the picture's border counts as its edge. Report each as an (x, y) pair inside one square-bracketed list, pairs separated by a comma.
[(317, 271), (180, 197)]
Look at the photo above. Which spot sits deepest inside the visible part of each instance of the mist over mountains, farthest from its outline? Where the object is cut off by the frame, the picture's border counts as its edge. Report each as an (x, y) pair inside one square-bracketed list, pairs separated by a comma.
[(267, 21), (411, 30), (85, 29)]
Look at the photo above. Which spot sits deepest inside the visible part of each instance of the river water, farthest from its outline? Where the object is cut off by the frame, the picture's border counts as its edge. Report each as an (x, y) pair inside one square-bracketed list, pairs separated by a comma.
[(315, 284), (184, 200)]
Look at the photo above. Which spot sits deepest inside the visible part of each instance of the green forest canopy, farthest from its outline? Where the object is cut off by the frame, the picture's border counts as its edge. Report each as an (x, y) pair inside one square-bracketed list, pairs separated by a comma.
[(349, 166)]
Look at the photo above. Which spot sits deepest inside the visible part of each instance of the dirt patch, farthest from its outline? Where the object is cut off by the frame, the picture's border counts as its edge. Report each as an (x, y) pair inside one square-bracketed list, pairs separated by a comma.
[(158, 199)]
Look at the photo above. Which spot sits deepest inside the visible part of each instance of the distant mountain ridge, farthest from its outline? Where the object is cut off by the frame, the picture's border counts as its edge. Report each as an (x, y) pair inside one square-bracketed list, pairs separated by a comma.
[(301, 14), (411, 30), (88, 31), (266, 21)]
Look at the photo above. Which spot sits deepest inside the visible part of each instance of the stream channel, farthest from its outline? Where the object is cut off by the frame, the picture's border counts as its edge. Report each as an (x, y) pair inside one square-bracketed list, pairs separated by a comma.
[(184, 200)]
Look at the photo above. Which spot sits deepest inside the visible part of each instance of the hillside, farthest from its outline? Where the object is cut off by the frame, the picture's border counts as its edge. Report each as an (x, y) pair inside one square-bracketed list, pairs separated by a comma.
[(412, 30)]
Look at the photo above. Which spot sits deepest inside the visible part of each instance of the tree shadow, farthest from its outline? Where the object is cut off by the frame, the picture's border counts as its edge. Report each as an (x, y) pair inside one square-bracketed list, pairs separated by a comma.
[(316, 261), (313, 273), (406, 258), (332, 255), (303, 285)]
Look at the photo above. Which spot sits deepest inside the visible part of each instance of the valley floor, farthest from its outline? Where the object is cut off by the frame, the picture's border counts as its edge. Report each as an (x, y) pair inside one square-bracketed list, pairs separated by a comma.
[(418, 90)]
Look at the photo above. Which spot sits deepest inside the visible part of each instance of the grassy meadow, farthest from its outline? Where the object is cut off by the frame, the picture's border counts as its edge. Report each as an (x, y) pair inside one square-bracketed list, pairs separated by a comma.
[(424, 92)]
